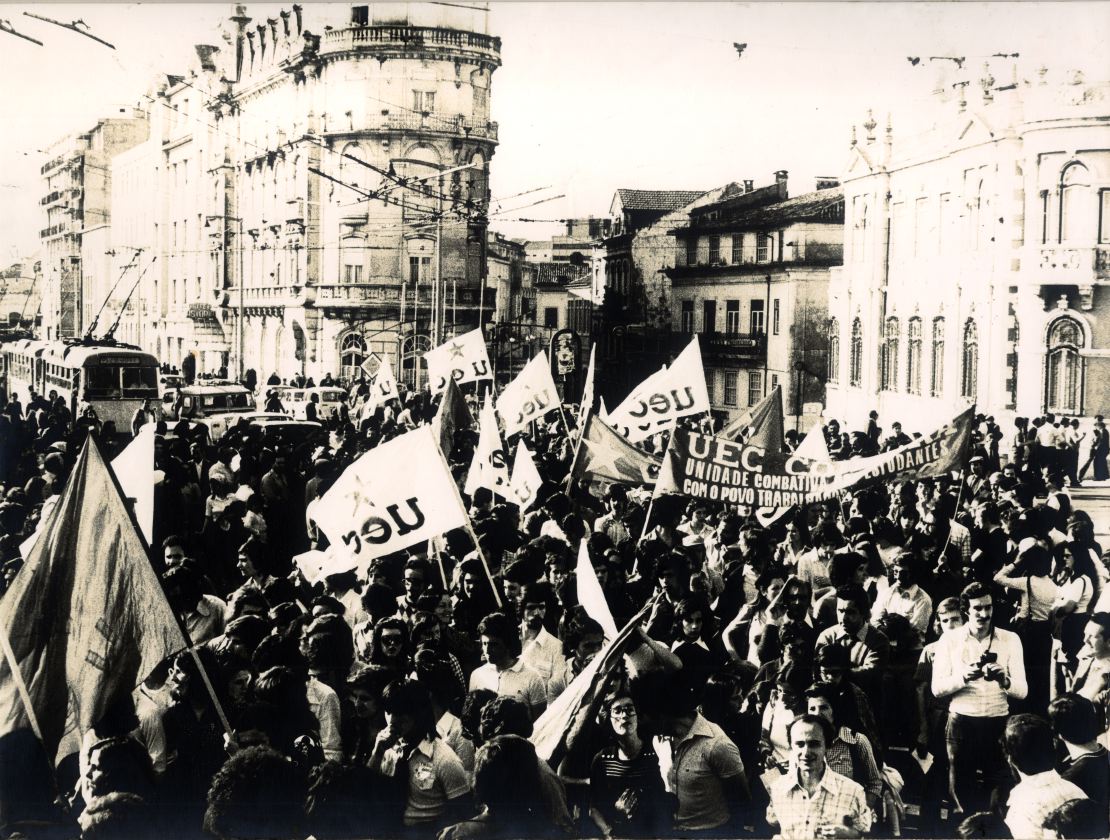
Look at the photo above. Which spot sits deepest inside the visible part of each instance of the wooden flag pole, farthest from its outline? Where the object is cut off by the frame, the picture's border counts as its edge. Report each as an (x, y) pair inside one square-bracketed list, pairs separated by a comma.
[(485, 563), (21, 686), (180, 625), (577, 449), (469, 526)]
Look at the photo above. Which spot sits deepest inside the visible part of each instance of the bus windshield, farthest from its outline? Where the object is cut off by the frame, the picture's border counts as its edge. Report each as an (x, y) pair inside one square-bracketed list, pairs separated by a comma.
[(120, 381), (101, 382), (140, 381)]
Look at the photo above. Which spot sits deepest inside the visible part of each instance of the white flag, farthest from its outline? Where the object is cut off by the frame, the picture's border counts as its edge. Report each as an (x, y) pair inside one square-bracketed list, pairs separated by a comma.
[(487, 468), (526, 481), (528, 397), (590, 594), (399, 493), (463, 358), (587, 391), (662, 398), (383, 385), (134, 469)]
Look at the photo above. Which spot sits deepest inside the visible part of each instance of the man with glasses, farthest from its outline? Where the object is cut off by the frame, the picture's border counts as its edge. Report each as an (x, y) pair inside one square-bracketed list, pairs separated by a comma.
[(416, 583)]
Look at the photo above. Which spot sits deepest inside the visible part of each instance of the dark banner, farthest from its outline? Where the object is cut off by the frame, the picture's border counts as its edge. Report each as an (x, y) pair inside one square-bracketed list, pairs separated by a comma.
[(707, 467)]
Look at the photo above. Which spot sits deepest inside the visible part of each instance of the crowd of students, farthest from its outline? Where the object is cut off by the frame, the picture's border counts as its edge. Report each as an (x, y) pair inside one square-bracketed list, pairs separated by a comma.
[(783, 679)]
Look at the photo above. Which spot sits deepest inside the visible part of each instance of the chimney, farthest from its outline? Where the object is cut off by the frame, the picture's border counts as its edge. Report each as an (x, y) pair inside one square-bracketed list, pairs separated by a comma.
[(749, 186), (824, 182), (780, 182)]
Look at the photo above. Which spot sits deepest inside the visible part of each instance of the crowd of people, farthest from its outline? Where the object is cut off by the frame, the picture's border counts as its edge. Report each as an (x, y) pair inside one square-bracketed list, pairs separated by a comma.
[(942, 641)]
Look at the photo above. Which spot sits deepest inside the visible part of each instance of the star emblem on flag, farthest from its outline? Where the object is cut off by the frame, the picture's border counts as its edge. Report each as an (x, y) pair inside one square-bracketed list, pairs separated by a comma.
[(456, 350), (601, 457)]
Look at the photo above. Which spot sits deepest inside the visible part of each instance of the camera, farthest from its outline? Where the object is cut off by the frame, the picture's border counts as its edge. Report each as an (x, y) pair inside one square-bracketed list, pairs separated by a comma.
[(988, 658)]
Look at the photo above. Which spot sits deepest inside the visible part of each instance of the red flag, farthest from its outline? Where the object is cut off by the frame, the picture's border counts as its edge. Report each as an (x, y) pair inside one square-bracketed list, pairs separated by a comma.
[(85, 619), (452, 415), (603, 454)]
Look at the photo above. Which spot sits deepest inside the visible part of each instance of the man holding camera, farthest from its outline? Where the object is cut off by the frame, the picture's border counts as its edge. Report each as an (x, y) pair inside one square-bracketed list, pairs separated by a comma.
[(979, 668)]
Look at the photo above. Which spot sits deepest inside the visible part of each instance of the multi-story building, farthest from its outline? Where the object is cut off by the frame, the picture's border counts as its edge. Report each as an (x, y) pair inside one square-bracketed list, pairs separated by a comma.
[(631, 319), (76, 203), (320, 192), (751, 277), (20, 292), (977, 257), (508, 274), (361, 160)]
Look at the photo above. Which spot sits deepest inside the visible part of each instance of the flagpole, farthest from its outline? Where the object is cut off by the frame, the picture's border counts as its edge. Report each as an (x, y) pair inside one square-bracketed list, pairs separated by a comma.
[(577, 449), (469, 526), (21, 686), (180, 624), (485, 563)]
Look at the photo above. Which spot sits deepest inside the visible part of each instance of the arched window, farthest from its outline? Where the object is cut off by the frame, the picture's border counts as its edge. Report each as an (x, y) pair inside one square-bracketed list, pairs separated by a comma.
[(855, 362), (352, 353), (913, 357), (1078, 213), (888, 361), (1064, 370), (969, 386), (834, 351), (936, 380)]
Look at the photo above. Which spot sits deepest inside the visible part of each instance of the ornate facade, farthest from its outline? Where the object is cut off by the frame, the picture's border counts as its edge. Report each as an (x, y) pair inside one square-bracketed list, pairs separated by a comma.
[(977, 258), (314, 175)]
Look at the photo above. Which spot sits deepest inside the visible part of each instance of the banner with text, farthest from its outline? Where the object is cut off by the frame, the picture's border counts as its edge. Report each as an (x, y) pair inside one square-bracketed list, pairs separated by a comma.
[(462, 358), (713, 468), (397, 494), (665, 396), (528, 397)]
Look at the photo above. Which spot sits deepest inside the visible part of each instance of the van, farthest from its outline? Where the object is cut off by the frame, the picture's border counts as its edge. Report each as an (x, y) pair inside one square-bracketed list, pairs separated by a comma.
[(217, 407)]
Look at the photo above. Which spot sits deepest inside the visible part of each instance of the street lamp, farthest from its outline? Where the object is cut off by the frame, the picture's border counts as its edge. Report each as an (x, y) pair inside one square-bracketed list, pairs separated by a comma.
[(223, 242)]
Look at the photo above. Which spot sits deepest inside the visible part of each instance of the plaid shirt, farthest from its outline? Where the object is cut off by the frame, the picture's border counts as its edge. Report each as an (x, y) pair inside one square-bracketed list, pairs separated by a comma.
[(1034, 798), (836, 800)]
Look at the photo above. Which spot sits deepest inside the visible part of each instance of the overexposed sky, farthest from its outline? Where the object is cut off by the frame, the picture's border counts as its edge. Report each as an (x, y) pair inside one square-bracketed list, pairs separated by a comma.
[(590, 96)]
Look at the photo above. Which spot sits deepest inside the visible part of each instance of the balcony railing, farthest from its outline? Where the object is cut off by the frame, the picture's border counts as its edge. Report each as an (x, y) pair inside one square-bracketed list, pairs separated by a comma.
[(429, 121), (359, 37), (725, 346), (1067, 264)]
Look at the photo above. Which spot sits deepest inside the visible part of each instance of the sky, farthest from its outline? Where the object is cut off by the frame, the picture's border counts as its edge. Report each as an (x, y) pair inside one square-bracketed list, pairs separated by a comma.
[(590, 97)]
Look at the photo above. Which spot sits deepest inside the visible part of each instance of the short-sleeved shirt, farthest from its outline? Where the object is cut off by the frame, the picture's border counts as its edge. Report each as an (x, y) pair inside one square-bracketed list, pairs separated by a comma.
[(1034, 798), (519, 682), (435, 776), (798, 814), (694, 768), (544, 654)]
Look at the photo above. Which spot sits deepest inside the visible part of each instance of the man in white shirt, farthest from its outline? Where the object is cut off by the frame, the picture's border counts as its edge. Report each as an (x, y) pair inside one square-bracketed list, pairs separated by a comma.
[(905, 597), (811, 800), (504, 671), (540, 650), (979, 668), (1030, 750)]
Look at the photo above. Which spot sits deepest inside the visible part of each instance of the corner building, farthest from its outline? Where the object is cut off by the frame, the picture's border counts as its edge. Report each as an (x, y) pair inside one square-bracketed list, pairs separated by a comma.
[(977, 257), (317, 258)]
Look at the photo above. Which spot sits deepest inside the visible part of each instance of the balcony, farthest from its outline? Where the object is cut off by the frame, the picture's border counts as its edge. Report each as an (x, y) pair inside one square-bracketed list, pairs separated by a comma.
[(721, 271), (725, 348), (386, 38), (424, 123), (1066, 264)]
